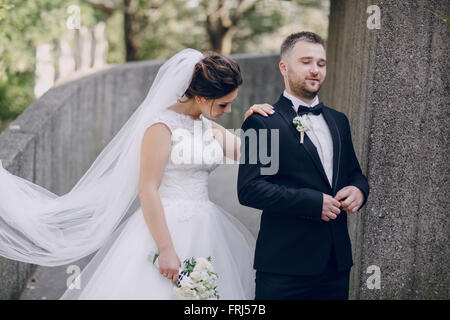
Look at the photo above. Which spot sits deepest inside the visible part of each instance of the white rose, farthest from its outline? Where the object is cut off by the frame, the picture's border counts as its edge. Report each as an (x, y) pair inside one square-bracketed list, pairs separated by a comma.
[(200, 288), (189, 293), (205, 295), (204, 275), (209, 293), (177, 292), (201, 260), (195, 276), (187, 282), (203, 264), (185, 293), (210, 267)]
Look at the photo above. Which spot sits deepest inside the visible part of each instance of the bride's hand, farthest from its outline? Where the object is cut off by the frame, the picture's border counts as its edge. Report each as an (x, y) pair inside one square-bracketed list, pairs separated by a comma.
[(262, 109), (169, 264)]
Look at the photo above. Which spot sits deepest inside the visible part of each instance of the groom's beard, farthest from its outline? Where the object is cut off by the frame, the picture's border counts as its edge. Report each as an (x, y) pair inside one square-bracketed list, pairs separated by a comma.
[(300, 90)]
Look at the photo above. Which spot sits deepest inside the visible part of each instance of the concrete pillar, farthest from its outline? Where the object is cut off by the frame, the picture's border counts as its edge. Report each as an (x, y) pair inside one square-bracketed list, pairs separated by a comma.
[(100, 43), (45, 71), (66, 61), (392, 82)]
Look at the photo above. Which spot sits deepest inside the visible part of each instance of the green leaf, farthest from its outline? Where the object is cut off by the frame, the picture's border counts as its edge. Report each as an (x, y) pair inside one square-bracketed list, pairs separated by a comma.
[(155, 257)]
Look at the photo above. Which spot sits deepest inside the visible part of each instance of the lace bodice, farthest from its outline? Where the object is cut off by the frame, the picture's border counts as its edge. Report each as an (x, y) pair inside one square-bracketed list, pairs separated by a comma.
[(195, 153)]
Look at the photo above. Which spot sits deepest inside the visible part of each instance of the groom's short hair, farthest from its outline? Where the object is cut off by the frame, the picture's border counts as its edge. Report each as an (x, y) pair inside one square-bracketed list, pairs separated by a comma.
[(289, 43)]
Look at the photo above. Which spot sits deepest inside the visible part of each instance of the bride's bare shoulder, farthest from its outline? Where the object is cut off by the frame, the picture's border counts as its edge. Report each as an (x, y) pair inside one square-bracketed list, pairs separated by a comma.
[(157, 137), (158, 128), (162, 121)]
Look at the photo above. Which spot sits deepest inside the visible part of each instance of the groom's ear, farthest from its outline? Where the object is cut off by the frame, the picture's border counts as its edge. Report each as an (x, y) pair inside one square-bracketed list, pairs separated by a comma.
[(283, 68)]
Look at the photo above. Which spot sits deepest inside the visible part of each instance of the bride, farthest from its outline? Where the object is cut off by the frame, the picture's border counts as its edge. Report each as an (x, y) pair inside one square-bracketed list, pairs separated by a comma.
[(159, 159)]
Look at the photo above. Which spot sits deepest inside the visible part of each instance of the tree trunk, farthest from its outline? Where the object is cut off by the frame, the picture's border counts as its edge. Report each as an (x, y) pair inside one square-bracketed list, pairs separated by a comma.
[(227, 41), (132, 44), (220, 37)]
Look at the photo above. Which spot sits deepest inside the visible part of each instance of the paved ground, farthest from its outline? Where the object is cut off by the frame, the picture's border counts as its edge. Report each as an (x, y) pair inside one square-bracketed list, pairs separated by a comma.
[(50, 283)]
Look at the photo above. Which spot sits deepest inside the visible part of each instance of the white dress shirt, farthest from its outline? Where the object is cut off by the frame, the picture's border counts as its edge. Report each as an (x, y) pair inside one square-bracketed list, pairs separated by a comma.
[(319, 133)]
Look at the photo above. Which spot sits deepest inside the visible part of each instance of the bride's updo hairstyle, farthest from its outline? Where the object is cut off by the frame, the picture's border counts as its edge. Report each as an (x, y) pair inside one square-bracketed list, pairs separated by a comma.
[(214, 76)]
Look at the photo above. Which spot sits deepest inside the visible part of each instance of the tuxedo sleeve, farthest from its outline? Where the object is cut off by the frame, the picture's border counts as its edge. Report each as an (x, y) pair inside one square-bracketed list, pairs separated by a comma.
[(257, 191), (356, 177)]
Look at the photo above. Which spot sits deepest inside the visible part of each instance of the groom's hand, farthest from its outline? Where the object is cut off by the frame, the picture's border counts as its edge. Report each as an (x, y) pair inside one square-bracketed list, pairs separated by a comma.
[(353, 196), (330, 208)]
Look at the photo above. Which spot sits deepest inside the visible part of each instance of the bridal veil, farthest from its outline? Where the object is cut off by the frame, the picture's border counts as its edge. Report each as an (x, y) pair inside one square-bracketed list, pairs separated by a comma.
[(39, 227)]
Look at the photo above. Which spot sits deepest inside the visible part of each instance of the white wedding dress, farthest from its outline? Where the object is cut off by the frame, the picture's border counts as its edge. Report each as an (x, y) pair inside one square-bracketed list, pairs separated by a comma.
[(122, 268)]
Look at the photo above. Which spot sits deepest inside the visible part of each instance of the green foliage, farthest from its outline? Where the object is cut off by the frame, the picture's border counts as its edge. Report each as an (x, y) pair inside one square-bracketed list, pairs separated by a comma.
[(267, 19), (155, 257), (15, 94), (180, 24), (115, 36), (175, 25), (24, 25), (163, 27)]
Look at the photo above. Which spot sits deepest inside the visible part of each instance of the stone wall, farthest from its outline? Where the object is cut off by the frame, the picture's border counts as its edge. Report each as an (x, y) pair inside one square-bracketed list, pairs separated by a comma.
[(58, 137), (392, 82)]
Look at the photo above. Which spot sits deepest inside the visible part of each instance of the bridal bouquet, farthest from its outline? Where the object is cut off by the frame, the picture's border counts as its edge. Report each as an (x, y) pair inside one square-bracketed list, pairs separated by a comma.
[(196, 280)]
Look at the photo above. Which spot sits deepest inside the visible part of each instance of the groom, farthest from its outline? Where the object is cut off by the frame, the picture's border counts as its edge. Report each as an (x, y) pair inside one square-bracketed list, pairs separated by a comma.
[(303, 250)]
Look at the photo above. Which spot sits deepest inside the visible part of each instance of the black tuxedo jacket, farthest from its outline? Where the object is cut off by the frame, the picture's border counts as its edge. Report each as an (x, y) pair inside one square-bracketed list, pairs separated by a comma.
[(293, 239)]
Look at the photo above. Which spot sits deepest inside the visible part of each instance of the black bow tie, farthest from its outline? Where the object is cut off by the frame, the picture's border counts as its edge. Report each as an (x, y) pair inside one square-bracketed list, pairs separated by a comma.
[(317, 109)]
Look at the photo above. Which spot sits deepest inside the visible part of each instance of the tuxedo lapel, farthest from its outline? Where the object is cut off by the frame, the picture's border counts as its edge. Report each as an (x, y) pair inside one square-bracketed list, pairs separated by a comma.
[(288, 114), (336, 144)]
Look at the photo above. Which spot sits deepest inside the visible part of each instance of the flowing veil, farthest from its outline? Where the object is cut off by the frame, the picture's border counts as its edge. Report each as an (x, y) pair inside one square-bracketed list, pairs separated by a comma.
[(39, 227)]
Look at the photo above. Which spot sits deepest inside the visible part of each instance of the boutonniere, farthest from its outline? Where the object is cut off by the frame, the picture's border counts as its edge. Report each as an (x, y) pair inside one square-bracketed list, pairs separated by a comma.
[(300, 123)]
